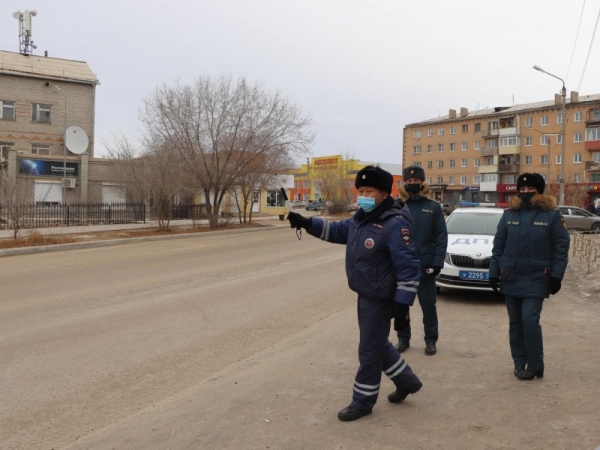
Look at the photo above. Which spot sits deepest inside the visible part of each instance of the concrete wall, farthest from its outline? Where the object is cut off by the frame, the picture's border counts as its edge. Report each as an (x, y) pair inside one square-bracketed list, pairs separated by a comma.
[(586, 248)]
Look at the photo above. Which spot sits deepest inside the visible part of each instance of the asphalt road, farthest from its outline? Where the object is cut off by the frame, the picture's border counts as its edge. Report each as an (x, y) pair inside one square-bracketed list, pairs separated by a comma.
[(248, 341)]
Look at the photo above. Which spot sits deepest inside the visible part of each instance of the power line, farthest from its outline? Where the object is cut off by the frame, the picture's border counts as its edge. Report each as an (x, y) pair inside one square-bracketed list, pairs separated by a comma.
[(589, 51), (576, 37)]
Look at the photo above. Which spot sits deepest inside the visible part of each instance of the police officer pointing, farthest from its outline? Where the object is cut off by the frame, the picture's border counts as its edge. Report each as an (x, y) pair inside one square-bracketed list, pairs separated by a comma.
[(431, 239), (382, 269)]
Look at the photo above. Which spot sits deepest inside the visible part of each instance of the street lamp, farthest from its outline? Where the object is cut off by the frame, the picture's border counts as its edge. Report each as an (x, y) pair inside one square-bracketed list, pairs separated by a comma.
[(562, 132)]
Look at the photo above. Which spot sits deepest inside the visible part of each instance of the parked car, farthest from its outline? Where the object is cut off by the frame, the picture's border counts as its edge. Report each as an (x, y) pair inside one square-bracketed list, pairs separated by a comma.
[(298, 204), (470, 241), (579, 219), (314, 206)]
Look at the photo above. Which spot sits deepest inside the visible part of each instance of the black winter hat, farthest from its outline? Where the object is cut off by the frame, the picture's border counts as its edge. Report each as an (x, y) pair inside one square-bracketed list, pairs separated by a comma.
[(534, 180), (375, 177), (413, 172)]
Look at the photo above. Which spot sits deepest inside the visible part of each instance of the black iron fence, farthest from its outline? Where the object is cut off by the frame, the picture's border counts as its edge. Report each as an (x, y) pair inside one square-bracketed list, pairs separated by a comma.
[(37, 216), (182, 211)]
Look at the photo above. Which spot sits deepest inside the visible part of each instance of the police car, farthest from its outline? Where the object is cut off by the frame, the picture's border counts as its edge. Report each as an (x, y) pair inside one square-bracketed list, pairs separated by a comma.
[(471, 233)]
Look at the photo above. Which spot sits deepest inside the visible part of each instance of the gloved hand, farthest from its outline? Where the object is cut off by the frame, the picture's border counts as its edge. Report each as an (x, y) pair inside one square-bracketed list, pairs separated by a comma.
[(433, 270), (401, 316), (554, 284), (494, 282), (299, 221)]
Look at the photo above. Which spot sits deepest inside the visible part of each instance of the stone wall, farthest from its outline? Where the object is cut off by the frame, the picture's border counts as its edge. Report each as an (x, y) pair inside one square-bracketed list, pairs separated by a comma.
[(586, 249)]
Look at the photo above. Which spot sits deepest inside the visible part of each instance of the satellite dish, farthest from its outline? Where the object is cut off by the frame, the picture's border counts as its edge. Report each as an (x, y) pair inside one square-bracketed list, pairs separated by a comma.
[(76, 139), (17, 14)]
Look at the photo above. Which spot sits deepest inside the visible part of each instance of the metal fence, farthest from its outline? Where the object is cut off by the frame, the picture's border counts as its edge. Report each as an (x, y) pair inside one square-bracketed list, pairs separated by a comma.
[(183, 211), (37, 216)]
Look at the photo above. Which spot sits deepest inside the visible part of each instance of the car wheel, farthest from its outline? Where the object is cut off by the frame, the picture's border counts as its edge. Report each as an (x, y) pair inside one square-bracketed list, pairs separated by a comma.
[(596, 226)]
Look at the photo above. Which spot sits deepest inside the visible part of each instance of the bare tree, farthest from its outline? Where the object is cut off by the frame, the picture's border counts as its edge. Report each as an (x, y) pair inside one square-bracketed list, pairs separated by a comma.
[(13, 200), (223, 129)]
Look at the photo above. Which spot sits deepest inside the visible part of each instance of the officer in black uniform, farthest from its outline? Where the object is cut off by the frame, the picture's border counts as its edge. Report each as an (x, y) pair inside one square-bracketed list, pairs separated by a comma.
[(431, 238), (529, 259), (382, 267)]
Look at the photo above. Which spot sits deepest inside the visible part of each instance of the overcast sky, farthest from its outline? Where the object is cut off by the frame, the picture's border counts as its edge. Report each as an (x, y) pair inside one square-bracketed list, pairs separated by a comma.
[(361, 69)]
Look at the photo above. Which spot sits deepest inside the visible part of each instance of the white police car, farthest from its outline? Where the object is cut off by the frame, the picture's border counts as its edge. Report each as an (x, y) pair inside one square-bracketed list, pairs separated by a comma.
[(471, 233)]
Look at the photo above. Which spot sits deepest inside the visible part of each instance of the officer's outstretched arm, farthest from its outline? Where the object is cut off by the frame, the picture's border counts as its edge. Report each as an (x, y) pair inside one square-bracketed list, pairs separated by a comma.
[(334, 232), (405, 261)]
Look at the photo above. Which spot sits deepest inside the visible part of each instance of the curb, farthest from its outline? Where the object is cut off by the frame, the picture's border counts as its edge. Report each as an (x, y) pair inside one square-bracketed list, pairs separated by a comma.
[(113, 242)]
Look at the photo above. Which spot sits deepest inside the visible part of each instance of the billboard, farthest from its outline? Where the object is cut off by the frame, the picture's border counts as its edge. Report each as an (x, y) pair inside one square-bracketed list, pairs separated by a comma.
[(46, 167)]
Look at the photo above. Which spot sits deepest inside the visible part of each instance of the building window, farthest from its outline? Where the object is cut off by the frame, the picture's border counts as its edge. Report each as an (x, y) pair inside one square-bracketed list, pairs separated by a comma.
[(559, 118), (528, 141), (465, 128), (440, 131), (476, 179), (592, 134), (440, 148), (463, 179), (578, 116), (451, 180), (428, 180), (452, 146), (40, 113), (595, 177), (440, 180), (577, 157), (489, 161), (528, 160), (465, 146), (440, 164), (558, 159), (429, 148), (452, 130), (596, 157), (529, 122), (509, 179), (417, 134), (544, 159), (463, 163), (476, 162), (7, 110), (42, 149), (429, 164), (577, 137), (577, 178), (492, 143), (452, 163), (430, 132), (4, 148), (477, 145), (559, 139), (417, 150), (544, 140), (493, 125), (509, 141), (478, 127), (274, 198), (418, 164), (544, 120), (596, 114), (489, 178)]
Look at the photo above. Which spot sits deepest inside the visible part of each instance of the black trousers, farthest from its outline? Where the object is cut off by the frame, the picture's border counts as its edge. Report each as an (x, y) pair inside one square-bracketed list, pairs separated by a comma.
[(427, 298), (525, 331)]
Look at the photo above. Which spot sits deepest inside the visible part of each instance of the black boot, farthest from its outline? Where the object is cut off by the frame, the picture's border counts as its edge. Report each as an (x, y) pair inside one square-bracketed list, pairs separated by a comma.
[(351, 412), (401, 393), (523, 374), (402, 345), (430, 348)]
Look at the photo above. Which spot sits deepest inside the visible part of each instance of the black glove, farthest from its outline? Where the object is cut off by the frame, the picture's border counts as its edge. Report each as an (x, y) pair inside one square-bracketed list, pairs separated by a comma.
[(299, 221), (494, 282), (433, 270), (401, 316), (554, 285)]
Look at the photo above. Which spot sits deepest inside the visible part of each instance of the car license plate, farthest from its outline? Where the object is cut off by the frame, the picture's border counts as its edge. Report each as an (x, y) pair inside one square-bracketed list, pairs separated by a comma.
[(473, 275)]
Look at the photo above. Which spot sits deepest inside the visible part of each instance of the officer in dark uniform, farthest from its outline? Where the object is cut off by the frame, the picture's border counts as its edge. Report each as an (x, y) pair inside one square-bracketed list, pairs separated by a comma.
[(431, 239), (383, 269), (528, 262)]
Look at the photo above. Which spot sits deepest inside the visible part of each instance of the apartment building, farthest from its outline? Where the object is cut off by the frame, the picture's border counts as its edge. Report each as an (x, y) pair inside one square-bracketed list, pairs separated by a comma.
[(477, 156)]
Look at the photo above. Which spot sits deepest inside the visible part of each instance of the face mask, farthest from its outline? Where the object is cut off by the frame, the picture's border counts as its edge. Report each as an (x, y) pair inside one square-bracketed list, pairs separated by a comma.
[(413, 188), (526, 196), (367, 203)]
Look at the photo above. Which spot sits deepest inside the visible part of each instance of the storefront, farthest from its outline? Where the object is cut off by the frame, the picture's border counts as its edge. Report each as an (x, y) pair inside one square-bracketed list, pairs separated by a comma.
[(506, 192), (437, 192)]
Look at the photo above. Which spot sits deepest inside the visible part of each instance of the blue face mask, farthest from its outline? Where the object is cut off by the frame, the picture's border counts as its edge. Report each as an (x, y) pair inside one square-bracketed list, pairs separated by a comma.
[(367, 203)]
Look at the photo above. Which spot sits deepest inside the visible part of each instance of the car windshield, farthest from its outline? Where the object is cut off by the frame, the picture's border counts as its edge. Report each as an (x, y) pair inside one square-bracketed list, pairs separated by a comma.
[(473, 223)]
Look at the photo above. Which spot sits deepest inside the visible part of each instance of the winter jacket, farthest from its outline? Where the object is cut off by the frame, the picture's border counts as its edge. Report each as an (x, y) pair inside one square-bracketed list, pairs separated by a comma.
[(428, 227), (531, 245), (381, 263)]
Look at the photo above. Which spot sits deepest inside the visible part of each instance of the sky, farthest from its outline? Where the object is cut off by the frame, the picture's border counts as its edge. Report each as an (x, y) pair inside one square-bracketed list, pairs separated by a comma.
[(361, 69)]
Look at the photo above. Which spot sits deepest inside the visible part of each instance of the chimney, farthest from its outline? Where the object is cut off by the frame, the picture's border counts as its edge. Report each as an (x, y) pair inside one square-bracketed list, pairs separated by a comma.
[(557, 99), (574, 96), (464, 112), (452, 114)]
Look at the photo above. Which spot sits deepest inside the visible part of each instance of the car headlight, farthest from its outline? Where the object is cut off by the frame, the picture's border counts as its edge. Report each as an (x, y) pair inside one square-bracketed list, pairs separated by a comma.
[(447, 258)]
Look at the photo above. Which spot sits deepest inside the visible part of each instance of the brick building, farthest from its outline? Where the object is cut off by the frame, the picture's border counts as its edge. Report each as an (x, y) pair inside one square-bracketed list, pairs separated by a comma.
[(40, 98), (477, 156)]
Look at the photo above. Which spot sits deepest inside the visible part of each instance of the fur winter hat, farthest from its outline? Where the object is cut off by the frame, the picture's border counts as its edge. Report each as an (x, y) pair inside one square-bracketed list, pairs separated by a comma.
[(375, 177), (413, 172), (534, 180)]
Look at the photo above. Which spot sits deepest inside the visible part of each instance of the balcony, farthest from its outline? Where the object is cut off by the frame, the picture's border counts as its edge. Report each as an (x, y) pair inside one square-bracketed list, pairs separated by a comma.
[(592, 145), (488, 186), (592, 166), (489, 151), (508, 168), (490, 134), (509, 150), (509, 131), (493, 168)]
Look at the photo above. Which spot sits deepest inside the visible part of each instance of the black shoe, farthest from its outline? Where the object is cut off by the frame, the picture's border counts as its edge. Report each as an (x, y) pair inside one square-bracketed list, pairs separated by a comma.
[(522, 374), (401, 393), (430, 348), (402, 345), (351, 413)]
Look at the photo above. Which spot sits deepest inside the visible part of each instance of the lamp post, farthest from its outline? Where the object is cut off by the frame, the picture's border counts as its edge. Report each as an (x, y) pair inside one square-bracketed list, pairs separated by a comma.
[(562, 133), (64, 189)]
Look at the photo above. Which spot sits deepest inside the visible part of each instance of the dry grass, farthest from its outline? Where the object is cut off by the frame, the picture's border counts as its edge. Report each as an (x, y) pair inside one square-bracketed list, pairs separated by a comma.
[(35, 238)]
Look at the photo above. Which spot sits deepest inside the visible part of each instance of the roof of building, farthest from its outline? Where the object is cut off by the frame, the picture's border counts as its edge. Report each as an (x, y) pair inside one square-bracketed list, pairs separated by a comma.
[(45, 67), (503, 111)]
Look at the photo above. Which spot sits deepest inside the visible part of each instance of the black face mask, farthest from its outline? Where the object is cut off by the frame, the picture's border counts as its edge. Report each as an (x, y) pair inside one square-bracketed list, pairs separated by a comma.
[(413, 188), (526, 196)]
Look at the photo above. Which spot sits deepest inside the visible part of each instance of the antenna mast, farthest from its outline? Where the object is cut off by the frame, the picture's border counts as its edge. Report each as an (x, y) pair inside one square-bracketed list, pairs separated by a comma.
[(26, 45)]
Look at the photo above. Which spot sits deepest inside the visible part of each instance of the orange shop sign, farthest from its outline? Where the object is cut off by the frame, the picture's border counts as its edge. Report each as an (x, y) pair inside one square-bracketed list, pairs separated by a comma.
[(326, 162)]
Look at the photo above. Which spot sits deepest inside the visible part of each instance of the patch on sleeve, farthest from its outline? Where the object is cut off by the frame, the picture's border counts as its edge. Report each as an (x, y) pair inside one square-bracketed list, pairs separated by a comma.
[(405, 235), (562, 220)]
